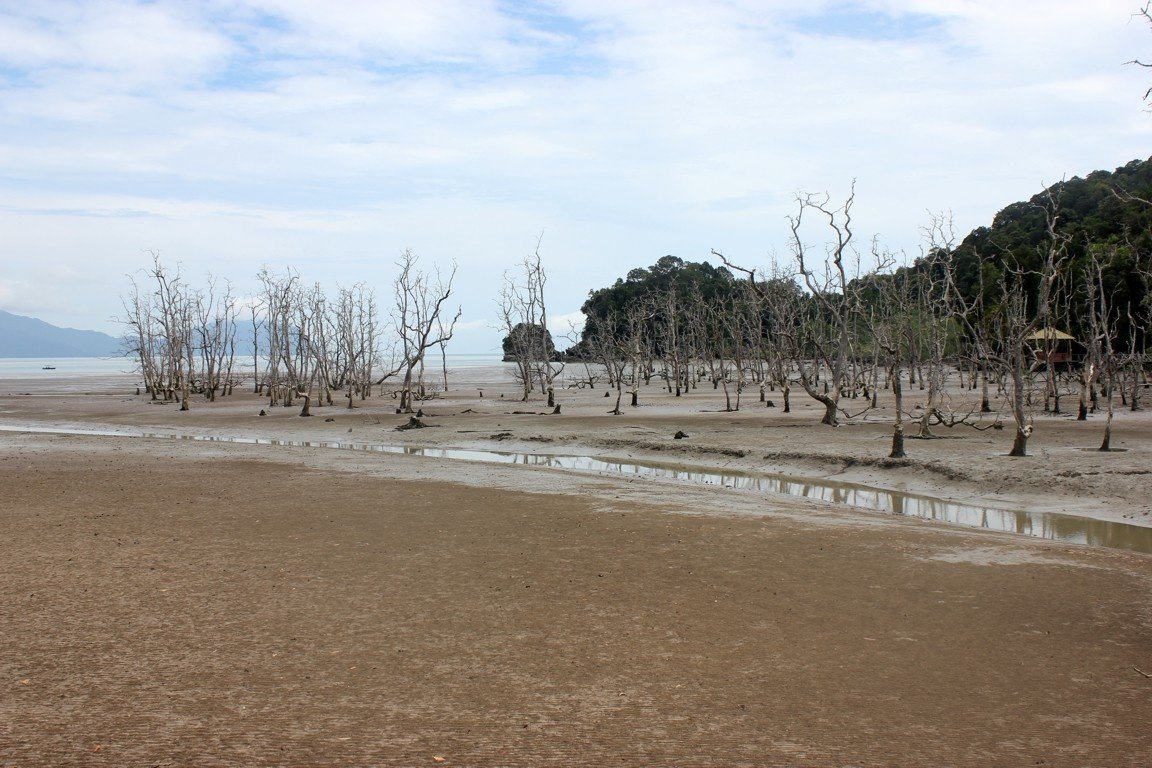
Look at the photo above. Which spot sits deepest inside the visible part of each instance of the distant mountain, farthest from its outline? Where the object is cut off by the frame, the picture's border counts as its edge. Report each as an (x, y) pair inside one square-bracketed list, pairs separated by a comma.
[(28, 337)]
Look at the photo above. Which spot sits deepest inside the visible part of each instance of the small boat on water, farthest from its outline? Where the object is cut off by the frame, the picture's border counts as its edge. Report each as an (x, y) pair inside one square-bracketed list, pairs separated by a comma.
[(48, 368)]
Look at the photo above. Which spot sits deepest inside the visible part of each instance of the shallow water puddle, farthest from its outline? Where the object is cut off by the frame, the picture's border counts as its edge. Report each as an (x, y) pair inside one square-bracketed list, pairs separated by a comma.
[(1045, 525)]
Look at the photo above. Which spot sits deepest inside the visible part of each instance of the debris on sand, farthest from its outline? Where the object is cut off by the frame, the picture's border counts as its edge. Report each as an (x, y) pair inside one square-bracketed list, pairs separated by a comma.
[(680, 435), (413, 423)]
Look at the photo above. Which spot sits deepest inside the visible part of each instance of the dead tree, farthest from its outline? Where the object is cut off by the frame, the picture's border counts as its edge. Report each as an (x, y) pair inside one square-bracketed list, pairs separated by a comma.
[(1139, 323), (417, 317), (255, 311), (528, 342), (313, 352), (823, 339), (143, 340), (1001, 334), (280, 297), (162, 339), (609, 346), (671, 342), (827, 330), (1101, 359), (891, 323), (1095, 309), (215, 316), (1146, 13), (618, 342), (172, 308), (355, 333), (932, 330), (780, 305)]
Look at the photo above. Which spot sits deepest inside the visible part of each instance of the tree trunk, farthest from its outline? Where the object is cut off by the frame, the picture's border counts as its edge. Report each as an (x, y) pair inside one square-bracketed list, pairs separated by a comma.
[(831, 416), (926, 423), (406, 393), (1106, 445), (1020, 444), (897, 443)]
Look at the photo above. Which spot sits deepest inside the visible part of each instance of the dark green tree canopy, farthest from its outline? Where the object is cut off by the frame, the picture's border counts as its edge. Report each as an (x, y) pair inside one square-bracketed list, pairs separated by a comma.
[(1106, 214), (671, 281), (529, 341)]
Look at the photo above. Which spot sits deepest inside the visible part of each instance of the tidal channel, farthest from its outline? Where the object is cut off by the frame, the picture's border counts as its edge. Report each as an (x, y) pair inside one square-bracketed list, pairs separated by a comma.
[(1072, 529)]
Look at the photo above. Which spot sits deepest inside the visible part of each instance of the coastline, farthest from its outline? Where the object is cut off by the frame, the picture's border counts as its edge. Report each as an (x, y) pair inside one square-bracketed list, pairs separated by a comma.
[(481, 411)]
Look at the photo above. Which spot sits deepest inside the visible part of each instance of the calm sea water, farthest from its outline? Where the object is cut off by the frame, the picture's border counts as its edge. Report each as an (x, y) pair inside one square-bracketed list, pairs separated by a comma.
[(48, 367), (39, 367)]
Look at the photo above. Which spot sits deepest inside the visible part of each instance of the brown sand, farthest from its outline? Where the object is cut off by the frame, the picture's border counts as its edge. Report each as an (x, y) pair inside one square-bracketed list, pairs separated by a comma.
[(177, 603)]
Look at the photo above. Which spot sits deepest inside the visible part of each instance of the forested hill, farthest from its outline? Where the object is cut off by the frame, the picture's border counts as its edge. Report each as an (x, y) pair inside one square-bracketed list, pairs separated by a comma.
[(1101, 209), (1104, 216)]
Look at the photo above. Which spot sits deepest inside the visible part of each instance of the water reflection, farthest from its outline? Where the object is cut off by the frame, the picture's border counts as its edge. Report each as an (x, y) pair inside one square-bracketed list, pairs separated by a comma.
[(1045, 525)]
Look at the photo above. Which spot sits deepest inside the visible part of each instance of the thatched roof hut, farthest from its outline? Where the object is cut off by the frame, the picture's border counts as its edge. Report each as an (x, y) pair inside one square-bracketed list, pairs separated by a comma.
[(1052, 345), (1049, 334)]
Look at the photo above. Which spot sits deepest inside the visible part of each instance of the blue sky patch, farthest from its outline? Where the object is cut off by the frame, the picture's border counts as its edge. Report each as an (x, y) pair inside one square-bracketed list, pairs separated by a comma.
[(869, 25), (564, 45)]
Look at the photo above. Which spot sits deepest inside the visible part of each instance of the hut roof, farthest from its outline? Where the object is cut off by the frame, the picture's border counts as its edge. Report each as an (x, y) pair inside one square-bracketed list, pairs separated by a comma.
[(1050, 334)]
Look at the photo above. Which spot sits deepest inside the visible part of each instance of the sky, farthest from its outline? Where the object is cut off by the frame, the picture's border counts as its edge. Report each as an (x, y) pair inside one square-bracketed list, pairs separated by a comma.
[(329, 137)]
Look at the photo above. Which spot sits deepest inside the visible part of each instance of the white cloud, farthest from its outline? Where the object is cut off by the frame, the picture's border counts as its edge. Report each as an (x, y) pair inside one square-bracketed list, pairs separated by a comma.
[(232, 134), (568, 324), (394, 30), (112, 45)]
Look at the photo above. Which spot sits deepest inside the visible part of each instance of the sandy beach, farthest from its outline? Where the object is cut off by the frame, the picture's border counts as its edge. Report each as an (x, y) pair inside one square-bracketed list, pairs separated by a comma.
[(204, 602)]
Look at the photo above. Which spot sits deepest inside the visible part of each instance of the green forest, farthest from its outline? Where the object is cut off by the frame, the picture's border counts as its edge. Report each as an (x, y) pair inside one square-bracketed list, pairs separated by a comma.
[(1105, 217)]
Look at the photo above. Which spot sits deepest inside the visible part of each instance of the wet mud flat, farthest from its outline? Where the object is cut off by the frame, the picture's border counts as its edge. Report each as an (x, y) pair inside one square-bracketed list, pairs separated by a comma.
[(1046, 525), (178, 603)]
